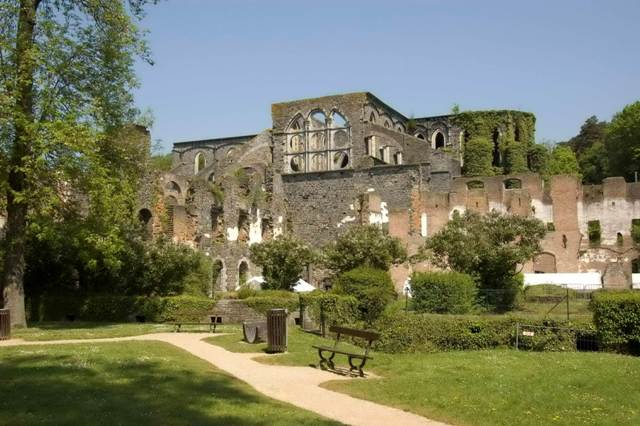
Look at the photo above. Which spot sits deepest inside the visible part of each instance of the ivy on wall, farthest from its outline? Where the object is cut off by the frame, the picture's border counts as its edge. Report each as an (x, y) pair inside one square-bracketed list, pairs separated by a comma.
[(501, 137)]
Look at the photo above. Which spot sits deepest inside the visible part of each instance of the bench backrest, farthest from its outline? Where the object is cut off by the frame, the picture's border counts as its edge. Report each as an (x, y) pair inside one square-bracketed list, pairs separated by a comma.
[(363, 334)]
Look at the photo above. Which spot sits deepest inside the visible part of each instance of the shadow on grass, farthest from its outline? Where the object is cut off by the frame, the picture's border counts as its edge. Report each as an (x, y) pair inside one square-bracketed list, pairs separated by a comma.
[(128, 383)]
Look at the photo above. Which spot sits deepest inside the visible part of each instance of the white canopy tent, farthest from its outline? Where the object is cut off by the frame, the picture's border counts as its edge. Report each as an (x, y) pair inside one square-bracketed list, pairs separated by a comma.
[(576, 281), (301, 286)]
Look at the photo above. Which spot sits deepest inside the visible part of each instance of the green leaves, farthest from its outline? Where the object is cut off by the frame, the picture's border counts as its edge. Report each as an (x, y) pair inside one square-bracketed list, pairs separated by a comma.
[(365, 245), (282, 260), (623, 142)]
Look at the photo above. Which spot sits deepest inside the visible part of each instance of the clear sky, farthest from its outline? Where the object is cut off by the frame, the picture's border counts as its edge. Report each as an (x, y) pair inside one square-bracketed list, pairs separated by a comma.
[(220, 64)]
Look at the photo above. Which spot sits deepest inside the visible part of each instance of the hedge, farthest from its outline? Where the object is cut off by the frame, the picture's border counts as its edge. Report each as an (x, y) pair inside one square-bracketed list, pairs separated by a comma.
[(373, 289), (443, 292), (335, 309), (121, 308), (616, 315), (281, 299), (413, 332)]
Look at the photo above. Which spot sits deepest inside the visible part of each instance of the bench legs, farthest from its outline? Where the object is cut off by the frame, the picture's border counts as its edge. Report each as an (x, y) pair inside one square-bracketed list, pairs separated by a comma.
[(357, 367), (326, 361)]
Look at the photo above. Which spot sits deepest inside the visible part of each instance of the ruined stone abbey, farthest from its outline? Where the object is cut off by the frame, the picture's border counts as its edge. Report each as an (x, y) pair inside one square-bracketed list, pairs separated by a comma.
[(328, 163)]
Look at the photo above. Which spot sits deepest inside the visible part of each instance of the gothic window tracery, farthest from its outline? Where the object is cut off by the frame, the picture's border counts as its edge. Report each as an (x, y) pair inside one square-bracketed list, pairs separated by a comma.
[(321, 142)]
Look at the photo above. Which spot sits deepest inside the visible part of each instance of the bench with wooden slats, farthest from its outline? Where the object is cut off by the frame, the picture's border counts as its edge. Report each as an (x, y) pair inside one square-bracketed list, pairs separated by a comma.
[(368, 336)]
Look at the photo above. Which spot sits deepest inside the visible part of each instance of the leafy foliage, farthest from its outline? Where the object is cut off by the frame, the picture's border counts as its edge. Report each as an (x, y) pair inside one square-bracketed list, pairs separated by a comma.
[(161, 162), (443, 292), (562, 161), (332, 308), (489, 248), (366, 245), (617, 319), (372, 288), (478, 157), (411, 332), (282, 260), (623, 141)]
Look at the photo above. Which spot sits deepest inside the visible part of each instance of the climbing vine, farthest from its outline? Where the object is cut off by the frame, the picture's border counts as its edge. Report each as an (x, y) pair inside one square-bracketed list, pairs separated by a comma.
[(502, 137)]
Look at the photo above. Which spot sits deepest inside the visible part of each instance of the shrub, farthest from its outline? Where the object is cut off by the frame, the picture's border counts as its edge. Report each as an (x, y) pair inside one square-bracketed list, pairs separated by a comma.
[(282, 260), (443, 292), (413, 332), (121, 308), (330, 308), (279, 299), (617, 319), (372, 288)]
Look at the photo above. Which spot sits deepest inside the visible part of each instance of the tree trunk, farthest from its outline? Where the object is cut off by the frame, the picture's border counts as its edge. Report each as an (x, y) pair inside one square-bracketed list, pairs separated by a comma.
[(17, 197)]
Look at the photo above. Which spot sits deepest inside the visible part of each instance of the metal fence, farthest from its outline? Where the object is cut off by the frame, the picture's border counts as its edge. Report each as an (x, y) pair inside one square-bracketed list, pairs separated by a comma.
[(559, 339)]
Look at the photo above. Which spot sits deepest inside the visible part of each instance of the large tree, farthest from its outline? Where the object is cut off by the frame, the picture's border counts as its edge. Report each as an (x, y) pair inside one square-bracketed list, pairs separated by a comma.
[(590, 151), (66, 74), (489, 248), (623, 142)]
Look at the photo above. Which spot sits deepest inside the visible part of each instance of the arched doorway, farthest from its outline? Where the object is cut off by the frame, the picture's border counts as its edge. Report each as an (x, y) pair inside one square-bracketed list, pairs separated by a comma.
[(243, 272), (146, 219), (218, 276), (438, 140)]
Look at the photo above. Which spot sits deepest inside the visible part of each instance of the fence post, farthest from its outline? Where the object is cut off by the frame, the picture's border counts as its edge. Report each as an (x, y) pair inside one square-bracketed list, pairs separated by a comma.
[(567, 303), (322, 328), (517, 334)]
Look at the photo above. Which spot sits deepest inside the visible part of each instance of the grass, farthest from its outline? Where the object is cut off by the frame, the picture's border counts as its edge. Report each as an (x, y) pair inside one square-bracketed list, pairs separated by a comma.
[(486, 387), (89, 330), (136, 383)]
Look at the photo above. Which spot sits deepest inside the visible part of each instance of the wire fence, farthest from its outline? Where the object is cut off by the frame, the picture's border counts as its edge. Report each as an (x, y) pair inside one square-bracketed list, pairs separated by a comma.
[(543, 338)]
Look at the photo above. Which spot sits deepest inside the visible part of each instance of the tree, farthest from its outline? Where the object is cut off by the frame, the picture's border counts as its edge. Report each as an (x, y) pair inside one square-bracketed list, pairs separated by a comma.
[(66, 74), (562, 161), (371, 287), (623, 142), (537, 157), (282, 260), (489, 248), (588, 146), (366, 245)]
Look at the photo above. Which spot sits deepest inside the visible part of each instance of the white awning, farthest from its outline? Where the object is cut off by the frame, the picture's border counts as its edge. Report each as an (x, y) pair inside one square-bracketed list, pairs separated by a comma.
[(303, 287), (576, 281)]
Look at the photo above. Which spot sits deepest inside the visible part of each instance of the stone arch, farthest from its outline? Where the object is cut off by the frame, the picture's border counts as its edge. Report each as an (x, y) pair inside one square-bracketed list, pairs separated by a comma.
[(338, 119), (212, 177), (372, 117), (317, 119), (340, 160), (475, 184), (544, 263), (296, 123), (199, 163), (438, 140), (399, 127), (243, 272), (146, 219), (219, 275), (512, 183), (420, 136), (170, 200), (173, 186)]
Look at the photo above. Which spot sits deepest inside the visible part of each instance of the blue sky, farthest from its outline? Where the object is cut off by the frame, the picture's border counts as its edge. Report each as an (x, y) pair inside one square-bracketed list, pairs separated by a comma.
[(220, 64)]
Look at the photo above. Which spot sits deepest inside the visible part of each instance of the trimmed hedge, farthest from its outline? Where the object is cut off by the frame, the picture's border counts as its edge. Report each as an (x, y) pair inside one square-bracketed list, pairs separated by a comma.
[(281, 299), (412, 332), (372, 288), (443, 292), (616, 315), (336, 309), (122, 308)]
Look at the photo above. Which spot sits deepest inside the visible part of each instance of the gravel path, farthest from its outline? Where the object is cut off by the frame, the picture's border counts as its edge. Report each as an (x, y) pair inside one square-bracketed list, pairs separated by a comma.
[(296, 385)]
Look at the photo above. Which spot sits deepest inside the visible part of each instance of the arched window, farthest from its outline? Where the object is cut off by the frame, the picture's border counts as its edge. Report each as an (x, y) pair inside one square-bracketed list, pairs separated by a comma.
[(512, 183), (475, 184), (517, 134), (438, 140), (420, 136), (200, 163), (372, 118), (387, 125), (324, 143), (172, 186), (145, 217), (218, 274)]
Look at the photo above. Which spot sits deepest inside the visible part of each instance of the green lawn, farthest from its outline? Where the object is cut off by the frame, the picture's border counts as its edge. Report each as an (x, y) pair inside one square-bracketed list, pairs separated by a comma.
[(89, 330), (129, 383), (487, 387)]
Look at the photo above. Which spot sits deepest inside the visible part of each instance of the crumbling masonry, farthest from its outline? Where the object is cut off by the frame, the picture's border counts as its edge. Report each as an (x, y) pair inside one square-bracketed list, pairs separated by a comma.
[(329, 163)]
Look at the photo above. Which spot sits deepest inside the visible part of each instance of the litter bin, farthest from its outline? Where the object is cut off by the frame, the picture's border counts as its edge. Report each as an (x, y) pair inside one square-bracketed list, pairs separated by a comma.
[(277, 330), (5, 324)]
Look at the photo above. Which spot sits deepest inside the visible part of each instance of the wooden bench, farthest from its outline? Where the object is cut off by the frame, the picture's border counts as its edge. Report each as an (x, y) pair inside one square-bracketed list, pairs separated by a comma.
[(212, 325), (369, 336)]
